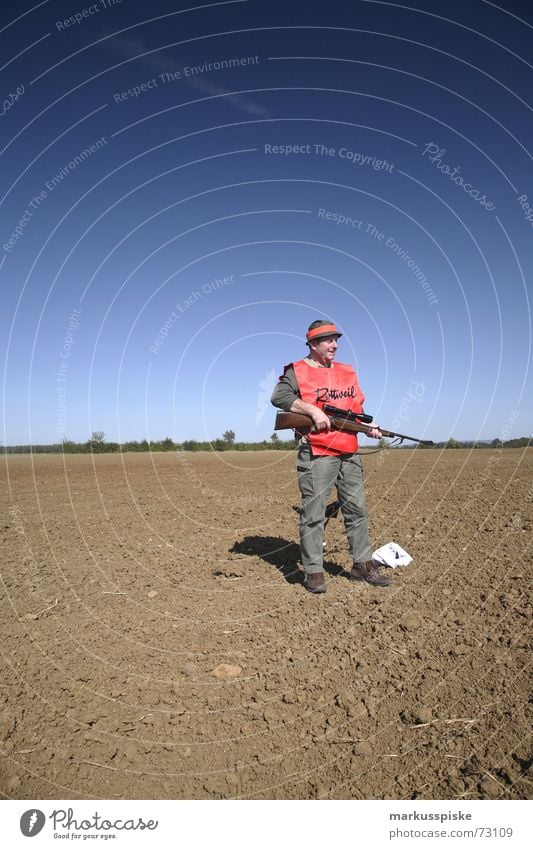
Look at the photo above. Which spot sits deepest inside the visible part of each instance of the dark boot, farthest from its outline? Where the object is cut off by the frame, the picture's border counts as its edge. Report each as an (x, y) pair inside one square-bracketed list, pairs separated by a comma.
[(314, 582), (368, 572)]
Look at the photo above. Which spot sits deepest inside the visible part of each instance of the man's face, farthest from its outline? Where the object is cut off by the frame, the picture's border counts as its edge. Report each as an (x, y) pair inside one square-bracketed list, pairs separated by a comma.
[(324, 350)]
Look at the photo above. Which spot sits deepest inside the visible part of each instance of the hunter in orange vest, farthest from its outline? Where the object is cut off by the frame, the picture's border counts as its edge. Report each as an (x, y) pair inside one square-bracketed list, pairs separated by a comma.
[(327, 457), (337, 386)]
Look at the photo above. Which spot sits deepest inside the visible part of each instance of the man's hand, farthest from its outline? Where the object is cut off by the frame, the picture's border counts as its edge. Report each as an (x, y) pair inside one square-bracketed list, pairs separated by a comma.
[(374, 431), (320, 420)]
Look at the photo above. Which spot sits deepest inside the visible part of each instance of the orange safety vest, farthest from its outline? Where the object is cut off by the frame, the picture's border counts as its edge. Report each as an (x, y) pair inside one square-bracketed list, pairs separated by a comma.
[(338, 386)]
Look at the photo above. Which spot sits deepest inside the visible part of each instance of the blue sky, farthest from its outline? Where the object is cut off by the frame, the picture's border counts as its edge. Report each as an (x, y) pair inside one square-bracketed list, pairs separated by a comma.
[(183, 192)]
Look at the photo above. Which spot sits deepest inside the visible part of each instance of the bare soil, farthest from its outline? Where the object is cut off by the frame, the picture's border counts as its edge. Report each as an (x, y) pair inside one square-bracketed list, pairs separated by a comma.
[(128, 580)]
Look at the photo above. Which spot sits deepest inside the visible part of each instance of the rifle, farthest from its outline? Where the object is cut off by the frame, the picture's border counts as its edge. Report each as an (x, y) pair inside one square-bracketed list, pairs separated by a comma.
[(340, 420)]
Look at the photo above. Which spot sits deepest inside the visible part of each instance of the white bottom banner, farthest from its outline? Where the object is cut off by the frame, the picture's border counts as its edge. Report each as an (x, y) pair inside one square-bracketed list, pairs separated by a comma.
[(240, 824)]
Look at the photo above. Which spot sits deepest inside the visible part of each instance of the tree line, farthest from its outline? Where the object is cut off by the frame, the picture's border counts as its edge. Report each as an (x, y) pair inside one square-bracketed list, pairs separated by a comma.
[(521, 442), (96, 444)]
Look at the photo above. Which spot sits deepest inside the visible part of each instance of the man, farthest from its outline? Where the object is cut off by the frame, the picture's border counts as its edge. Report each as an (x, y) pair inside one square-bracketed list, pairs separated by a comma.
[(327, 457)]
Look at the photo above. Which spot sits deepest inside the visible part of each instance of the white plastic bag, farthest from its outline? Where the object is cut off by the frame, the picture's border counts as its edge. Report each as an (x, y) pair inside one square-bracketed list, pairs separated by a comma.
[(392, 555)]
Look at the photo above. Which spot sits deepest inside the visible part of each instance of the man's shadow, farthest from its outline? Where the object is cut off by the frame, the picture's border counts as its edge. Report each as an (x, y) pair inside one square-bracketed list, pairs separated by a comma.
[(282, 554)]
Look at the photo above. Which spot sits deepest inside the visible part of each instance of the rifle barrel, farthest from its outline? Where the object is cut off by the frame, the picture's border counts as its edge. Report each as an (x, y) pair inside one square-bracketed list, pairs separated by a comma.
[(297, 421), (392, 435)]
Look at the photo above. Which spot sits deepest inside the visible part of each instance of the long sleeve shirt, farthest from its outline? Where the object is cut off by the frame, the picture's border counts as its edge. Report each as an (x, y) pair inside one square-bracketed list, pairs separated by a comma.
[(286, 391)]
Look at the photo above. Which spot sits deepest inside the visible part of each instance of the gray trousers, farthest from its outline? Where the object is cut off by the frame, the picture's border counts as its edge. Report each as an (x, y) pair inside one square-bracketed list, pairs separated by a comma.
[(316, 478)]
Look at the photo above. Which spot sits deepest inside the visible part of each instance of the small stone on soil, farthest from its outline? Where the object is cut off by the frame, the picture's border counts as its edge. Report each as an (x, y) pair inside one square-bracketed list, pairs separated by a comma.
[(419, 715), (226, 670), (411, 623)]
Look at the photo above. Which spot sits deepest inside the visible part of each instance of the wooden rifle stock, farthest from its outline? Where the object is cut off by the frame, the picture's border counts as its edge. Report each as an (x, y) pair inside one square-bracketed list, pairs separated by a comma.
[(303, 423)]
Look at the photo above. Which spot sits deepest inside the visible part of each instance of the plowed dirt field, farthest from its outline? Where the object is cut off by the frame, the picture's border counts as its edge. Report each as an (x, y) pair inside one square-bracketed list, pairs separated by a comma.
[(157, 642)]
